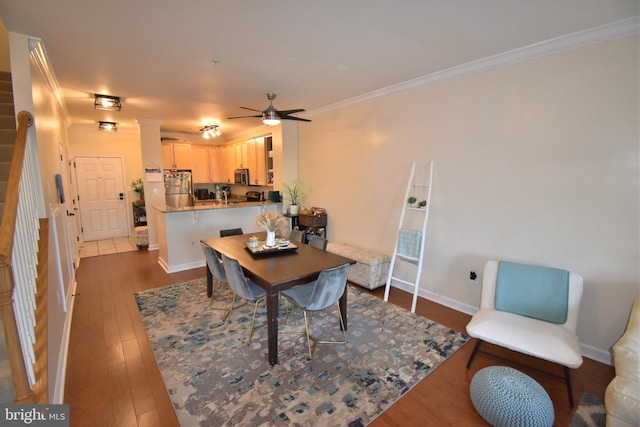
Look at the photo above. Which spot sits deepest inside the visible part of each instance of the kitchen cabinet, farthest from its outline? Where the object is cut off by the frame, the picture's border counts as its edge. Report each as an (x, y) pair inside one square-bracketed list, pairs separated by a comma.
[(268, 147), (256, 160), (200, 165), (228, 162), (216, 169), (176, 155)]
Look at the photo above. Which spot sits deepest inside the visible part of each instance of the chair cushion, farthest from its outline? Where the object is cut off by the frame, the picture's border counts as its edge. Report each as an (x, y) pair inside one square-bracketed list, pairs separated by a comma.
[(544, 340), (506, 397), (538, 292)]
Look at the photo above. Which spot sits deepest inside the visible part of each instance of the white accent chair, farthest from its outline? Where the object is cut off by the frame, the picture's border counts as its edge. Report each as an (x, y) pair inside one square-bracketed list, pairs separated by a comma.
[(524, 333), (622, 398)]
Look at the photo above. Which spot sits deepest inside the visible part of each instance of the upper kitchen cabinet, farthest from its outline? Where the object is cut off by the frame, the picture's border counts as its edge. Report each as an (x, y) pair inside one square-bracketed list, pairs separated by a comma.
[(176, 155), (257, 161), (200, 165)]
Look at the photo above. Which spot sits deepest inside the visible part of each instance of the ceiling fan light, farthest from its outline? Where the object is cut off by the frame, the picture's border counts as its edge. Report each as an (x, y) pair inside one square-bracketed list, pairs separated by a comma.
[(270, 117)]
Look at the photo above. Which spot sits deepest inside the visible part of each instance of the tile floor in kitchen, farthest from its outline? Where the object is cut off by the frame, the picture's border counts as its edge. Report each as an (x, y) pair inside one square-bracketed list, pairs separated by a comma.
[(106, 247)]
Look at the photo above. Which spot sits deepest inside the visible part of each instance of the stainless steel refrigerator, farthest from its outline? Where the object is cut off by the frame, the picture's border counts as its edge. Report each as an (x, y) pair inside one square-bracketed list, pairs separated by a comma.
[(178, 188)]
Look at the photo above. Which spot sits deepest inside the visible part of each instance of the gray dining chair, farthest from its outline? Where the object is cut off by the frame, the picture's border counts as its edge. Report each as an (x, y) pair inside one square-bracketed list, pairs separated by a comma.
[(320, 295), (231, 232), (241, 288), (214, 264), (318, 242), (296, 236)]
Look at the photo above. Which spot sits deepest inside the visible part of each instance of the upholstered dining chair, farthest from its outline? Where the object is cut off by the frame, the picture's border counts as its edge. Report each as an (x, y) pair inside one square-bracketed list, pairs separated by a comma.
[(231, 232), (242, 288), (318, 242), (214, 264), (296, 236), (531, 310), (320, 295)]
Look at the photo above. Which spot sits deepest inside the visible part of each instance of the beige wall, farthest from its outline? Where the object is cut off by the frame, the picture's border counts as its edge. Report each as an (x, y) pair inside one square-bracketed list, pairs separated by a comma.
[(536, 162), (88, 141)]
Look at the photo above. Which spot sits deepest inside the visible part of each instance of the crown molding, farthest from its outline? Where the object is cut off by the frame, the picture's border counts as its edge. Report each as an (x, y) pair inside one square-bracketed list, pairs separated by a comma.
[(40, 58), (615, 30)]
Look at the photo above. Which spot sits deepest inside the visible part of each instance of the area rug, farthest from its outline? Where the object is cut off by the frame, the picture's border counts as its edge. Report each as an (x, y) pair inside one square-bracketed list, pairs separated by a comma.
[(590, 412), (215, 379)]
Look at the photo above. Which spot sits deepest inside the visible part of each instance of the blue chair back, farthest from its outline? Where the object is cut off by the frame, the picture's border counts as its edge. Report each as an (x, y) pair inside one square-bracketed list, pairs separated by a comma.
[(214, 264), (328, 288), (318, 242), (238, 282)]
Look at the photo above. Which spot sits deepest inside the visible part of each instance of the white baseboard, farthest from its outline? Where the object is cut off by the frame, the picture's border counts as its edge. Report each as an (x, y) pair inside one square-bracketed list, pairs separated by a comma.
[(593, 353), (180, 267)]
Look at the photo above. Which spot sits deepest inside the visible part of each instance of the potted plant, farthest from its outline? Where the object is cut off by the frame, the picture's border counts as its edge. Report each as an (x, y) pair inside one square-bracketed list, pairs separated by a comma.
[(294, 195), (422, 203), (138, 187), (411, 200)]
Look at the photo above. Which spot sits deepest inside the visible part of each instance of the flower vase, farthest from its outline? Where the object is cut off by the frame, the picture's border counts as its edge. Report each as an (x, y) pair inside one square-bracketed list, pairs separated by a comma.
[(271, 239), (293, 210)]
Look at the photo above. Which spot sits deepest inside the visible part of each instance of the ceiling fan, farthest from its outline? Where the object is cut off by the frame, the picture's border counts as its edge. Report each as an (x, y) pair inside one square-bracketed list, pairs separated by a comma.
[(271, 116)]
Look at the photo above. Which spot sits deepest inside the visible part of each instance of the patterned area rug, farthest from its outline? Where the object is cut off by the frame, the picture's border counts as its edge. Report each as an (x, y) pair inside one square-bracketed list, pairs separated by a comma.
[(215, 379), (590, 412)]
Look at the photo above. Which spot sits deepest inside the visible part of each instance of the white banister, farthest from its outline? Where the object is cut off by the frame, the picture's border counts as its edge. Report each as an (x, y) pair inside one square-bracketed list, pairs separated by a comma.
[(24, 261)]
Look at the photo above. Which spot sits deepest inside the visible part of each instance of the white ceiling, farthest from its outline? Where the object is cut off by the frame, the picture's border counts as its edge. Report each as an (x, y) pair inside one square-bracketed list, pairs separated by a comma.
[(195, 62)]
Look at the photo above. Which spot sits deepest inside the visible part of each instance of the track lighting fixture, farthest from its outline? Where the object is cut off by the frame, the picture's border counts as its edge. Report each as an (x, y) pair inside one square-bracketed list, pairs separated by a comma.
[(210, 131)]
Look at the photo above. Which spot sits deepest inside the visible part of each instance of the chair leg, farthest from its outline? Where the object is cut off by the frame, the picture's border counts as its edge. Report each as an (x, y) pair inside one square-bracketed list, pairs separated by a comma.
[(253, 319), (312, 350), (474, 352), (567, 378)]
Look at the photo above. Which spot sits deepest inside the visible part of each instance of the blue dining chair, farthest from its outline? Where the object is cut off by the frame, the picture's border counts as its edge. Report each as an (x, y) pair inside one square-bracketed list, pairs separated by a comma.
[(214, 264), (320, 295), (241, 288), (318, 242)]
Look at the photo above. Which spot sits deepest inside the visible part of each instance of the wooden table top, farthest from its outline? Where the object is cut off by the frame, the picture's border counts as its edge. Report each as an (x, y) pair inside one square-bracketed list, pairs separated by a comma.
[(277, 271)]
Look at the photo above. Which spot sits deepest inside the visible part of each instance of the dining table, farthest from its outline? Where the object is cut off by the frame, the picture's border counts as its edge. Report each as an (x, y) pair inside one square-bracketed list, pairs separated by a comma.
[(275, 270)]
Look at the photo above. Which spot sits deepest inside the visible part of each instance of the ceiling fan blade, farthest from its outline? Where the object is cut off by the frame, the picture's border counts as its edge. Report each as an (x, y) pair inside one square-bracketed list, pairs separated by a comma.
[(252, 109), (294, 118), (242, 117), (287, 112)]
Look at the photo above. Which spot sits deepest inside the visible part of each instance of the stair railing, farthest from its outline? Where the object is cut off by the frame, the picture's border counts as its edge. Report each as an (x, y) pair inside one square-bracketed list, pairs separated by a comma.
[(17, 333)]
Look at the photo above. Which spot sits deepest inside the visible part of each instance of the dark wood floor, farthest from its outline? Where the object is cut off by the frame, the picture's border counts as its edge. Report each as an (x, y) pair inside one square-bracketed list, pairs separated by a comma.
[(113, 380)]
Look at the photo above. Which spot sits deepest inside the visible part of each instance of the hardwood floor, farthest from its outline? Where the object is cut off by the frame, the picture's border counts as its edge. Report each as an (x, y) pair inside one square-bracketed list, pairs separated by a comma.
[(113, 380)]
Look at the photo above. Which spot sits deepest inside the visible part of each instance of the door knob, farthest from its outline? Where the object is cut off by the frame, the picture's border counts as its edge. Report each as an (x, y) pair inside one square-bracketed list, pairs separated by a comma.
[(121, 195)]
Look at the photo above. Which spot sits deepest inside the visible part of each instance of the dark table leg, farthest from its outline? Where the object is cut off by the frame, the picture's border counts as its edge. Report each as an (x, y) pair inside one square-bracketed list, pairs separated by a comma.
[(343, 308), (209, 283), (272, 327)]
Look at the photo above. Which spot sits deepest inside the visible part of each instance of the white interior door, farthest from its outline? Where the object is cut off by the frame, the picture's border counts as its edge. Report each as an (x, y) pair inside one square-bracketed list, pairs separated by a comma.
[(101, 197)]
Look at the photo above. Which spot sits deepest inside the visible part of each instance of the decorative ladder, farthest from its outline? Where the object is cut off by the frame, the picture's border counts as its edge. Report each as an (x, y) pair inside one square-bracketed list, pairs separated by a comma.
[(410, 242)]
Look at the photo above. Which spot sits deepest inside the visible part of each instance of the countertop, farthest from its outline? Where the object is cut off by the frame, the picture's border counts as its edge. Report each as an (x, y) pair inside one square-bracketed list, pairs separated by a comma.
[(214, 204)]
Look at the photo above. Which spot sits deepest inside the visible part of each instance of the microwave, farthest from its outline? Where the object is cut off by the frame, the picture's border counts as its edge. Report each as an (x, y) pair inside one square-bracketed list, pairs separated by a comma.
[(241, 176)]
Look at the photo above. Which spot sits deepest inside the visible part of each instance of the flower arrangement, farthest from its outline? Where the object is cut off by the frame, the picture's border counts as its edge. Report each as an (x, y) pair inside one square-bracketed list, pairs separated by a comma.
[(138, 185), (272, 221), (294, 192)]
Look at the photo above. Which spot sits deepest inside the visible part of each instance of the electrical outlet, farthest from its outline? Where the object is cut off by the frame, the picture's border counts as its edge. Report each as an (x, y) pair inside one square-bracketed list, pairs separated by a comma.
[(473, 276)]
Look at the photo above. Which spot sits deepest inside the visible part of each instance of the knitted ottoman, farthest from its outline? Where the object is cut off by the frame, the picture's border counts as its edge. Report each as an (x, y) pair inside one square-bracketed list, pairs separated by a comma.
[(506, 397), (371, 268)]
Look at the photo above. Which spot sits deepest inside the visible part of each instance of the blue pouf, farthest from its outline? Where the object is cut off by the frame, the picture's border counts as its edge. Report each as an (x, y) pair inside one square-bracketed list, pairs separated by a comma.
[(506, 397)]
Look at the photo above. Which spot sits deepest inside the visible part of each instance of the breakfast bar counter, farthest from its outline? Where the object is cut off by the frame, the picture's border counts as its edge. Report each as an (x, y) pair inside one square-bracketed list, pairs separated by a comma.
[(180, 230)]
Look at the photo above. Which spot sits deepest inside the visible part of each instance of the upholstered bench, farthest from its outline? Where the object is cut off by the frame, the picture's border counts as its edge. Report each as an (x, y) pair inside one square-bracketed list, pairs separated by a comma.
[(371, 268), (505, 397)]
